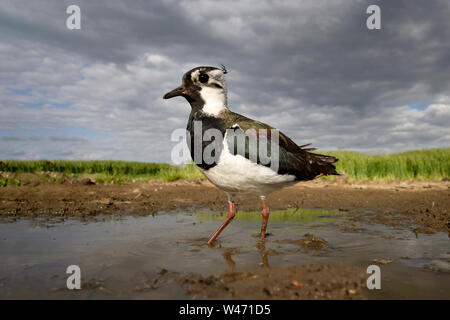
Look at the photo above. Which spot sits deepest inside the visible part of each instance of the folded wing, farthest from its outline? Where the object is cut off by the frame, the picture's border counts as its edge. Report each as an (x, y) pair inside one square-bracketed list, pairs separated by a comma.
[(293, 159)]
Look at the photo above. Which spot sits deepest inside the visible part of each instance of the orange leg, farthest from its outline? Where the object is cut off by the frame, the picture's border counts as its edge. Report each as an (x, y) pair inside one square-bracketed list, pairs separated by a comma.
[(230, 216), (265, 214)]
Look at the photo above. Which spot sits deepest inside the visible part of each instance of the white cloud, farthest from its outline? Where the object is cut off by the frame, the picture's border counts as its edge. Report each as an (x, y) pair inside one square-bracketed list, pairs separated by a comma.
[(306, 68)]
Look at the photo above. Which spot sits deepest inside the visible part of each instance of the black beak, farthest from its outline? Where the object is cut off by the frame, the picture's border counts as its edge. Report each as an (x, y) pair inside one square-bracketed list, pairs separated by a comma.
[(174, 93)]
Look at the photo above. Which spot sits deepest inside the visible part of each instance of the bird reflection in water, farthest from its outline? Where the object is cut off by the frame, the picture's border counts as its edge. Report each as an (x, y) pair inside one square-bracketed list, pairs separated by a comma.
[(261, 246)]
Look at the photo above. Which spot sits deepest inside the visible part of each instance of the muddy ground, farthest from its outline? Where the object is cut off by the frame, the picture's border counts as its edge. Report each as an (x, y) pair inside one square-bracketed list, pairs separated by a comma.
[(425, 205), (422, 207)]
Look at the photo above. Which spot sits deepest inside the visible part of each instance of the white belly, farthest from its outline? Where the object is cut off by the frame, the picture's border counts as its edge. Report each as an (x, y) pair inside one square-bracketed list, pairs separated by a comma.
[(235, 174)]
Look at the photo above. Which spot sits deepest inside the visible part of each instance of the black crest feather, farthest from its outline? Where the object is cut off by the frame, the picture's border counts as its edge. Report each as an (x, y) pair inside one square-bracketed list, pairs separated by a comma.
[(224, 70)]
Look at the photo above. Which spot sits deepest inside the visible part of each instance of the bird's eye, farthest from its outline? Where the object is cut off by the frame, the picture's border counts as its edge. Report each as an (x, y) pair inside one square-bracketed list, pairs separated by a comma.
[(203, 78)]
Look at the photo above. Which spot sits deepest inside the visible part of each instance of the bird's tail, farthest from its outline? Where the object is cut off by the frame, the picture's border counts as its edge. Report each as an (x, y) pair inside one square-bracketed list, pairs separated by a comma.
[(322, 157), (326, 164)]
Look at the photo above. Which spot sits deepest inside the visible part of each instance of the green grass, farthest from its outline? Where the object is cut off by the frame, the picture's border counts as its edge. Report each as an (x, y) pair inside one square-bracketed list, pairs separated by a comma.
[(104, 171), (431, 164)]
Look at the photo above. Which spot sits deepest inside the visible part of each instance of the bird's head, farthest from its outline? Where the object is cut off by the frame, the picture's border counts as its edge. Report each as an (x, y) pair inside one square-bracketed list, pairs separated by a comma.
[(204, 88)]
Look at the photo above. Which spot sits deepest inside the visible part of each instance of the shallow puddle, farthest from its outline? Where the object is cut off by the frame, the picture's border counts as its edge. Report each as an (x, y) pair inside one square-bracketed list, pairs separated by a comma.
[(133, 257)]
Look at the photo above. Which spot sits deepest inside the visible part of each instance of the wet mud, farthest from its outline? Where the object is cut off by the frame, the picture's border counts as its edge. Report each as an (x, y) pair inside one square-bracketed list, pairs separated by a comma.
[(148, 241), (426, 205)]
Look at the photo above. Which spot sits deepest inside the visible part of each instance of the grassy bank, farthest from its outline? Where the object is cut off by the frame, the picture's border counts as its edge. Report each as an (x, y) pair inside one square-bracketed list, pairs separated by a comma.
[(101, 171), (431, 164)]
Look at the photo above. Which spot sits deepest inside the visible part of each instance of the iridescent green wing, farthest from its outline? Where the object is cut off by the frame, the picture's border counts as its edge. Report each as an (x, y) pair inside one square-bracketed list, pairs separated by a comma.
[(292, 159)]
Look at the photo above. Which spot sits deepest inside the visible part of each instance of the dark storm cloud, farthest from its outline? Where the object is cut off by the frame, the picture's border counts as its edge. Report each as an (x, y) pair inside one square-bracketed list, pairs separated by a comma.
[(333, 59), (112, 31), (311, 68)]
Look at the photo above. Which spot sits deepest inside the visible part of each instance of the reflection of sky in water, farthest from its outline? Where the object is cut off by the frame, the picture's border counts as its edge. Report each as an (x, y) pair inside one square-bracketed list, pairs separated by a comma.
[(34, 254)]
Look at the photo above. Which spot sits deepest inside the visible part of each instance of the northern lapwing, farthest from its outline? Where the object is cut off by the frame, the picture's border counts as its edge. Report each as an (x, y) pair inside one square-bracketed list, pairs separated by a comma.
[(234, 170)]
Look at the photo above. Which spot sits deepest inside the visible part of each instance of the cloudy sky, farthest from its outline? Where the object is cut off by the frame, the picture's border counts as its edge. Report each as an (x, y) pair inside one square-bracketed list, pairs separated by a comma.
[(310, 68)]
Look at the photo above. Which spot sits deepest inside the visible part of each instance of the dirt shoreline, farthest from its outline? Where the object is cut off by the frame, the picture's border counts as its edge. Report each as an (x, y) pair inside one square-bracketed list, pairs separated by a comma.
[(424, 205), (308, 282), (420, 206)]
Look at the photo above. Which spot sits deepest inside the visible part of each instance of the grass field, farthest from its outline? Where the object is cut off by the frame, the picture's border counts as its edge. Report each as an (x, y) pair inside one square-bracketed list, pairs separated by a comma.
[(103, 171), (430, 164)]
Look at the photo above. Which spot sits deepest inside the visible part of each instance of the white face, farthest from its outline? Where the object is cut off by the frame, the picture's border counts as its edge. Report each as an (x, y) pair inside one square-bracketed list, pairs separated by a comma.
[(212, 79), (213, 90)]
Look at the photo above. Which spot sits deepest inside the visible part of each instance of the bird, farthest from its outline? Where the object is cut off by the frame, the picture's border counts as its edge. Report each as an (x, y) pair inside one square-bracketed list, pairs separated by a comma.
[(234, 171)]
